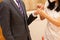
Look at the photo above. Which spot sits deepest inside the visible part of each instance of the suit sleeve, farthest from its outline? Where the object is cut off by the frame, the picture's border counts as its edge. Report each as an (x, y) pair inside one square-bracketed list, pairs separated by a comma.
[(31, 19), (5, 22)]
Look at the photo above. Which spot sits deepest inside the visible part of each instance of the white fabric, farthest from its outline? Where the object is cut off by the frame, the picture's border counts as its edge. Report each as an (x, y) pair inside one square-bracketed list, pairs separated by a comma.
[(15, 2), (52, 32)]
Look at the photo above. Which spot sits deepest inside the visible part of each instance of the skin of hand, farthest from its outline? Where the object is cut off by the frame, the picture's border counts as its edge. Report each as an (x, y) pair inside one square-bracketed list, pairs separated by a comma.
[(40, 7), (40, 11)]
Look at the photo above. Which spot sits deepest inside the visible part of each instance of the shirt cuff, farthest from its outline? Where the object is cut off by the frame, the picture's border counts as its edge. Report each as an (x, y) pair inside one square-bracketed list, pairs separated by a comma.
[(34, 15)]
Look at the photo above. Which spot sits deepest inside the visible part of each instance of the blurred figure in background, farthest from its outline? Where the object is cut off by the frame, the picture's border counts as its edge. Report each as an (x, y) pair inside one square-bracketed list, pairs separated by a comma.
[(1, 35), (51, 12), (14, 20)]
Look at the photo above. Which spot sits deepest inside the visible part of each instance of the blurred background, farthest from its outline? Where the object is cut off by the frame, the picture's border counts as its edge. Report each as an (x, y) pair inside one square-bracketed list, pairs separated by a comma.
[(31, 4)]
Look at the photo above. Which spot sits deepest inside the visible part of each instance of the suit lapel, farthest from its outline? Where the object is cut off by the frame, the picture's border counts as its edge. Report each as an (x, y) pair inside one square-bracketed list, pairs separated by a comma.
[(16, 7)]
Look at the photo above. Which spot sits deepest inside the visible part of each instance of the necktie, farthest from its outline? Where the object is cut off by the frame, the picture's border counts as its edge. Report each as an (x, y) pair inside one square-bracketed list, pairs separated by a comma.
[(20, 6)]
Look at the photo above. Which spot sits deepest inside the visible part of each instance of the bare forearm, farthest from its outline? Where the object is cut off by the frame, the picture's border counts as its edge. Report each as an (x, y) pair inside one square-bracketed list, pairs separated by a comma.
[(52, 20), (49, 18)]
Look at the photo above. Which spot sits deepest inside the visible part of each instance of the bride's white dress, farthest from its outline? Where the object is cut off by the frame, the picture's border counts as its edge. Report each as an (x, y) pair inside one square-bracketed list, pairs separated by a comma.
[(52, 32)]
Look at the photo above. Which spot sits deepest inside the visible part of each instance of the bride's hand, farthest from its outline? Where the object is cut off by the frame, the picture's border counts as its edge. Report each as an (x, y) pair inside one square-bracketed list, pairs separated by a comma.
[(41, 12), (40, 6)]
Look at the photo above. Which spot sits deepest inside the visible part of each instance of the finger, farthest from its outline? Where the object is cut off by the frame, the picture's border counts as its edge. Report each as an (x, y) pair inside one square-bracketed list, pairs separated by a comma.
[(39, 5), (36, 13), (42, 7)]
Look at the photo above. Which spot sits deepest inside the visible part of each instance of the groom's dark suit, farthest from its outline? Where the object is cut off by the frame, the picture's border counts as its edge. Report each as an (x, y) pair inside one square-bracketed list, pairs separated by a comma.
[(14, 25)]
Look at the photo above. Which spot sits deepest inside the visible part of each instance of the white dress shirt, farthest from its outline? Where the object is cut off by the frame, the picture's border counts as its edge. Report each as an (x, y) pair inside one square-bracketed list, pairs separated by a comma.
[(15, 2)]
